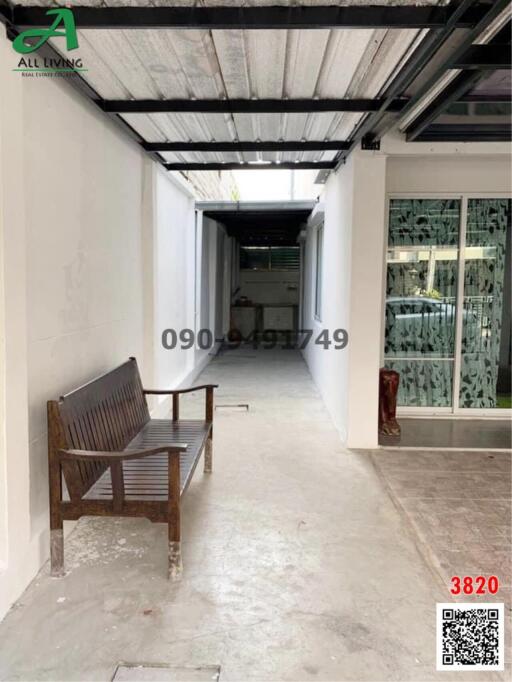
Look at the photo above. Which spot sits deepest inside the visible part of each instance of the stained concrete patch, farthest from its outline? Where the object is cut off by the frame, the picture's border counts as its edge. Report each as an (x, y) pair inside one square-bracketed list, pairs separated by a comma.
[(103, 541), (154, 673)]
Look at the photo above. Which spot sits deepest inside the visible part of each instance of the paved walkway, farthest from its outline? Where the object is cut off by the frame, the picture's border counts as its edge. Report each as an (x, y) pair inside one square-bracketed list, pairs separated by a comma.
[(298, 565), (459, 503)]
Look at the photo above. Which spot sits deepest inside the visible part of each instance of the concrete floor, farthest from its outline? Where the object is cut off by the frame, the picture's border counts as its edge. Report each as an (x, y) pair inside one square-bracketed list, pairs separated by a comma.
[(298, 563), (486, 434)]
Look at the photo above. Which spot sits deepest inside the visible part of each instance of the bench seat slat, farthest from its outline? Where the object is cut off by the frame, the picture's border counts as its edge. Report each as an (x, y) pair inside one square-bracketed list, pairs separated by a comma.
[(148, 478)]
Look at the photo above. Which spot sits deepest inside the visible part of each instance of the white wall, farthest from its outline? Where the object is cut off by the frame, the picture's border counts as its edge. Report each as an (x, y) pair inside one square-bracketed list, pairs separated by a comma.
[(441, 174), (185, 288), (214, 248), (3, 462), (352, 279), (329, 367), (71, 230), (173, 278), (275, 287), (98, 256)]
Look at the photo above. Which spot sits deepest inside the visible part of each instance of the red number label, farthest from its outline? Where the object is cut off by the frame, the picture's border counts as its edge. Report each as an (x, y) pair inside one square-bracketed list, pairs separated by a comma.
[(479, 585), (480, 581), (493, 584), (456, 585), (468, 585)]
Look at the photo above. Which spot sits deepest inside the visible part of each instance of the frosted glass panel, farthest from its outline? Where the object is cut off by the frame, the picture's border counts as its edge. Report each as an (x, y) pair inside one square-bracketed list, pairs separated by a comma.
[(422, 265), (485, 343)]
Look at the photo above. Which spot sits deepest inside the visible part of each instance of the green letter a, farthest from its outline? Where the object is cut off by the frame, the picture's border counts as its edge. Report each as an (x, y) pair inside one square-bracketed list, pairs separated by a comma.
[(62, 14)]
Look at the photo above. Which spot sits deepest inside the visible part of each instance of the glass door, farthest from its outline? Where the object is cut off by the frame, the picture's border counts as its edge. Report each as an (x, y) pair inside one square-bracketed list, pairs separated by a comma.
[(485, 373), (448, 303), (421, 294)]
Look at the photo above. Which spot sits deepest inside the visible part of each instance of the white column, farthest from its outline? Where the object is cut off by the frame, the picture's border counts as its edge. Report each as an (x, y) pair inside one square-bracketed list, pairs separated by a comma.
[(367, 282)]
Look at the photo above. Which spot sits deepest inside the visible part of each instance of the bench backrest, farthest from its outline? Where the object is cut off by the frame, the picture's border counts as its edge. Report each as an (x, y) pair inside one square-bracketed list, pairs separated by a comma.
[(104, 414)]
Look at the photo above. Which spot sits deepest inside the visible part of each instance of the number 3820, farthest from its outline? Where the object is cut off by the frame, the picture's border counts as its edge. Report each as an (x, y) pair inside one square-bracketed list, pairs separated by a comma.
[(479, 585)]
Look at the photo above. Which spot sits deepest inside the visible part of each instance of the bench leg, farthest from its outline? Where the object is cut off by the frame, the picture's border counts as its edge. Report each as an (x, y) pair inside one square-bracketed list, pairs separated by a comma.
[(208, 452), (57, 551), (175, 565), (56, 523)]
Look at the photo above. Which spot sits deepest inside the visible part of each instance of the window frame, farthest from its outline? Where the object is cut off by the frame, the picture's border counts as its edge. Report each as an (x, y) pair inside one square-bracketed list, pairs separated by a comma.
[(269, 267), (318, 279)]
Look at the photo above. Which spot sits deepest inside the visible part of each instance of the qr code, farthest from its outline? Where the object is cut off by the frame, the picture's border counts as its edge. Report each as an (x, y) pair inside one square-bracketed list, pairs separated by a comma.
[(470, 636)]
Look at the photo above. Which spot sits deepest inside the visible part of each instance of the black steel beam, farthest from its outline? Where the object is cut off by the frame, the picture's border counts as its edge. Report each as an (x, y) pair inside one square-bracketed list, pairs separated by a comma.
[(452, 93), (463, 83), (5, 11), (480, 132), (419, 60), (486, 98), (485, 57), (421, 121), (266, 146), (246, 106), (303, 165), (266, 17)]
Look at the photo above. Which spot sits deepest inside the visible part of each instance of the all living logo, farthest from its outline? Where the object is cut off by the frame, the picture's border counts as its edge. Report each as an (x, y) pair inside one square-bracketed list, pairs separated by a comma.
[(33, 39)]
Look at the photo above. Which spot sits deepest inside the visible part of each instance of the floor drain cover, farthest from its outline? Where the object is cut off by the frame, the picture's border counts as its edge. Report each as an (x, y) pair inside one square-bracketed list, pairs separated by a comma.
[(239, 407), (162, 673)]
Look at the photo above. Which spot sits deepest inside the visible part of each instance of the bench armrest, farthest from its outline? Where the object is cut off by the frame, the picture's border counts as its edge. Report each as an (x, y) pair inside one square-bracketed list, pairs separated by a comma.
[(115, 461), (177, 391), (208, 388), (107, 456)]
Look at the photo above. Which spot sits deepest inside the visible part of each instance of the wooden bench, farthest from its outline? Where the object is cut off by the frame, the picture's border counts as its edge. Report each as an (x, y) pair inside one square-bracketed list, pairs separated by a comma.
[(117, 461)]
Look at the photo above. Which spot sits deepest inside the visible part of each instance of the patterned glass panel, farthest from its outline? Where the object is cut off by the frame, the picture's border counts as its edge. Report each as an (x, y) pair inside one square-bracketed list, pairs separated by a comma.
[(485, 361), (422, 263)]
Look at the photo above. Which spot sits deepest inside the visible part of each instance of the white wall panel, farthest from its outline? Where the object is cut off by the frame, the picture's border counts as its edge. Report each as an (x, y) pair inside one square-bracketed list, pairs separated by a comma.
[(97, 258), (174, 266), (75, 242)]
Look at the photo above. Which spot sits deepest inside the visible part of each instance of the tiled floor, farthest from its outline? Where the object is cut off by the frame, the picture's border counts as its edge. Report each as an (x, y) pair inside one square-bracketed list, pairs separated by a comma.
[(459, 504), (452, 433)]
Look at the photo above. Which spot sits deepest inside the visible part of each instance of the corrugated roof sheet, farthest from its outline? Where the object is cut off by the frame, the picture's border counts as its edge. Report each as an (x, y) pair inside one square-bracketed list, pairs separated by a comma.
[(169, 64)]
